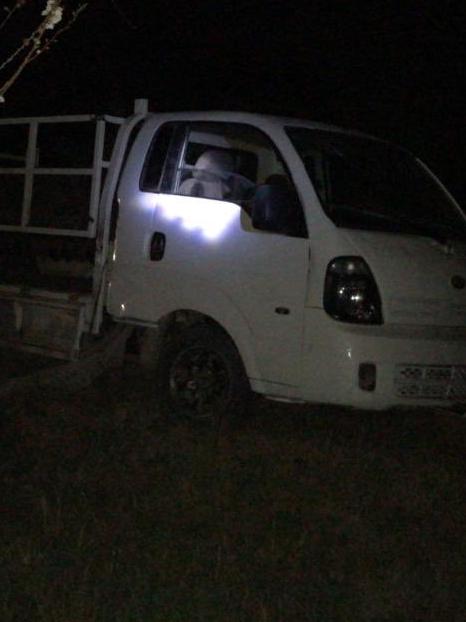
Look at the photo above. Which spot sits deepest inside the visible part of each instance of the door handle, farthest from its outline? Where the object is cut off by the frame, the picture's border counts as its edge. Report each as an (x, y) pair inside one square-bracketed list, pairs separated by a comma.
[(157, 246)]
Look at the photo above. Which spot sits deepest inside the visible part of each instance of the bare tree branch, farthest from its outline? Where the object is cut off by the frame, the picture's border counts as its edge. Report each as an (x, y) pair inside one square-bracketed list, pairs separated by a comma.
[(446, 24), (123, 15), (43, 36), (11, 12)]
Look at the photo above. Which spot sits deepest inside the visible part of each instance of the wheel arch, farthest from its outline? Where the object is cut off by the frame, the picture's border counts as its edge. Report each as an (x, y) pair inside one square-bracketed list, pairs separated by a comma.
[(237, 331)]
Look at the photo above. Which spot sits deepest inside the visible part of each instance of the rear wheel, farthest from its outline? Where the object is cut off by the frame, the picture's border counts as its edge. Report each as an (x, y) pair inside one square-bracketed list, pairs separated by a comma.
[(200, 376)]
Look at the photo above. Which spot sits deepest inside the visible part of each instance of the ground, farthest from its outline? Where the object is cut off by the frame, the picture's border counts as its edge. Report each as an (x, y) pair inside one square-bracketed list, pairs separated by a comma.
[(296, 513)]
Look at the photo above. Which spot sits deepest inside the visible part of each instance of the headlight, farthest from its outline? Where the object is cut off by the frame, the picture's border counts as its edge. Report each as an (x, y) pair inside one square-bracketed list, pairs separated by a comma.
[(350, 292)]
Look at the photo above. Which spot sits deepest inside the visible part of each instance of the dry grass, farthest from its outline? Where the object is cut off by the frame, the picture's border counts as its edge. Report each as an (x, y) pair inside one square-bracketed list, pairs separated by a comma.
[(295, 514)]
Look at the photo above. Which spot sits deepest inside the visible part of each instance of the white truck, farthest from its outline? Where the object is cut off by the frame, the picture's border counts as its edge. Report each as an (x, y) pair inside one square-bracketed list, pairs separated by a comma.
[(246, 252)]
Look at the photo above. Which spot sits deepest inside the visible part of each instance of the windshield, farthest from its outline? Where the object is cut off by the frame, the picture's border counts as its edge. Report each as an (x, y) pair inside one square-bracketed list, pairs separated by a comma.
[(364, 183)]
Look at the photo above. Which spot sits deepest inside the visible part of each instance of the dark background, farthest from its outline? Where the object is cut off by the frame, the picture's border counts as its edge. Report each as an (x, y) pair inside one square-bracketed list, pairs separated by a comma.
[(394, 70)]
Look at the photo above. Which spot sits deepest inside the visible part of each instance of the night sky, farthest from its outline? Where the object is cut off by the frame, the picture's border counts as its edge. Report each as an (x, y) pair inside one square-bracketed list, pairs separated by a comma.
[(395, 70)]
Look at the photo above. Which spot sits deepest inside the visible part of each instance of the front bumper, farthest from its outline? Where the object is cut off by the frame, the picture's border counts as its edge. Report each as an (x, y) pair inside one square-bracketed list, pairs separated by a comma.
[(415, 365)]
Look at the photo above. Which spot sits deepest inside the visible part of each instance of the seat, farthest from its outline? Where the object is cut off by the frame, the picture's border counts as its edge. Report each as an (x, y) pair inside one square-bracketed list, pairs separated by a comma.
[(210, 176)]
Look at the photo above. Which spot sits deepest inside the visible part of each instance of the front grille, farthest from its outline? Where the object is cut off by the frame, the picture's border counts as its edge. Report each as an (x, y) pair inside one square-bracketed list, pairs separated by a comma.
[(443, 382)]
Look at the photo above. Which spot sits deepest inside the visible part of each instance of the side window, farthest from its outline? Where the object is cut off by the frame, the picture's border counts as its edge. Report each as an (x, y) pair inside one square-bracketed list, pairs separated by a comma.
[(220, 161), (159, 158), (227, 162)]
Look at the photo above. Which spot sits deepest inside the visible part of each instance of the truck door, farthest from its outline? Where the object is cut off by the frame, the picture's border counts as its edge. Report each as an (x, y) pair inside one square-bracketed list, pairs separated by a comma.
[(198, 229)]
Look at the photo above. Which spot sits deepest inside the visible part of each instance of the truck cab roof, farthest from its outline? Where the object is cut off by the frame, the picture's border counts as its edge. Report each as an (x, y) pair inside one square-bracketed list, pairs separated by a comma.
[(254, 118)]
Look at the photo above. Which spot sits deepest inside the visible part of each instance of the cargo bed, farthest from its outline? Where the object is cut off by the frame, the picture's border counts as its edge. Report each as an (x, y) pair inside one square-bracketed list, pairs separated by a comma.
[(56, 189)]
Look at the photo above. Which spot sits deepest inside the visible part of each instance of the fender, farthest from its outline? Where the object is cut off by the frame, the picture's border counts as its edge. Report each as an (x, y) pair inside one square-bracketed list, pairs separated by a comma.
[(197, 295)]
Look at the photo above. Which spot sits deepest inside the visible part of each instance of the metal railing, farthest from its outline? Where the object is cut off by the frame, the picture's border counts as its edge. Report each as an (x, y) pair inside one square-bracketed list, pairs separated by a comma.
[(100, 202), (31, 170)]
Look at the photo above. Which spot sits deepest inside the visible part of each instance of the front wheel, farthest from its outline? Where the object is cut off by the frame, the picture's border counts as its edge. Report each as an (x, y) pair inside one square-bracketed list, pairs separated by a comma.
[(200, 376)]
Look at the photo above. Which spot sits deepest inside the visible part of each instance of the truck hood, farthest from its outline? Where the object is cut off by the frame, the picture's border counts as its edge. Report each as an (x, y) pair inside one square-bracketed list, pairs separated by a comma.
[(420, 280)]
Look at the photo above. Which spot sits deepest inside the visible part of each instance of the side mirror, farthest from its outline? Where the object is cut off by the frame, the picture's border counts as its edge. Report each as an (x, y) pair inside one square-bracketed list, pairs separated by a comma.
[(268, 208), (276, 208)]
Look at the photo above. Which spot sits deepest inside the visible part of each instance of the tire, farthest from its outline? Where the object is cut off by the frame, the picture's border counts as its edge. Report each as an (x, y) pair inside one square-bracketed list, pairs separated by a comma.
[(200, 376)]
